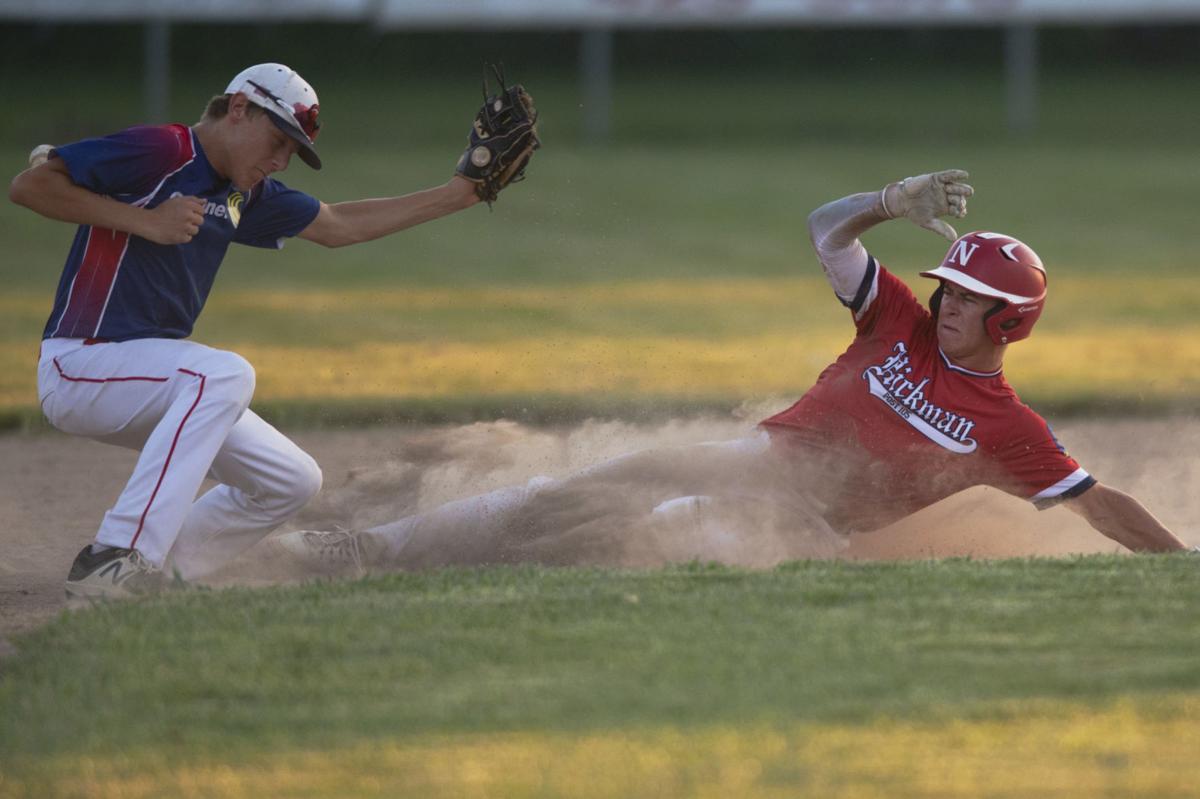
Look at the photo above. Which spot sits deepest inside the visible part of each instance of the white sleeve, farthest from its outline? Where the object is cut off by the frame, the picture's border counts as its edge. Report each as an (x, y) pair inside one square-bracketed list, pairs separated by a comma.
[(1069, 487), (845, 269), (834, 229)]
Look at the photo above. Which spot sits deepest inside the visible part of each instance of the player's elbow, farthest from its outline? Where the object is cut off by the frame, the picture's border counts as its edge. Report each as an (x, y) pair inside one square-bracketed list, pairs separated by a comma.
[(33, 189), (813, 223), (342, 237), (819, 226), (813, 218), (331, 229), (20, 190), (331, 240)]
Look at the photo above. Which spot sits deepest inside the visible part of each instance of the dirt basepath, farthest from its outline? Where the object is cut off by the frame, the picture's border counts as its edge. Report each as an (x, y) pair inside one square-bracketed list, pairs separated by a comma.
[(54, 490)]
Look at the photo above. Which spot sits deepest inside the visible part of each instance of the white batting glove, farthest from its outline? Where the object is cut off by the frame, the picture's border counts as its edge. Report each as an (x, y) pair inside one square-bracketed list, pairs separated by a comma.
[(40, 155), (924, 198)]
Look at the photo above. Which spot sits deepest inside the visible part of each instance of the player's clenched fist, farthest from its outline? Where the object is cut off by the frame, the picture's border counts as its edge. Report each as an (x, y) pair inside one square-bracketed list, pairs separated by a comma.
[(924, 198), (175, 221)]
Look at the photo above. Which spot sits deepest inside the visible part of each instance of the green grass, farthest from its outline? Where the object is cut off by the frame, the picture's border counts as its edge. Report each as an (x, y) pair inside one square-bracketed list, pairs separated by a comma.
[(415, 659), (461, 651)]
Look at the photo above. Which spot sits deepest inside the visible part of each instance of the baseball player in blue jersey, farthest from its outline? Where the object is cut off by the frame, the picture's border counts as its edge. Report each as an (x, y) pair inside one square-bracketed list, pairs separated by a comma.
[(157, 208)]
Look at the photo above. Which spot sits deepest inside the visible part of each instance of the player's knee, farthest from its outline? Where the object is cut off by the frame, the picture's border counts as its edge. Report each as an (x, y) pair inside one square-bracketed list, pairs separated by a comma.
[(309, 480), (304, 482), (234, 379), (242, 378), (291, 483)]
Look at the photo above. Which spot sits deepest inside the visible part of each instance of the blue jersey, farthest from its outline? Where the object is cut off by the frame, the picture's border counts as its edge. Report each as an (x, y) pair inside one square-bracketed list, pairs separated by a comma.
[(118, 286)]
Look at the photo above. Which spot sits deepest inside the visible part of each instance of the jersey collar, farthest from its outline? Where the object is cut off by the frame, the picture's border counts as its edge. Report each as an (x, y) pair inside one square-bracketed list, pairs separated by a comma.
[(202, 159), (968, 372)]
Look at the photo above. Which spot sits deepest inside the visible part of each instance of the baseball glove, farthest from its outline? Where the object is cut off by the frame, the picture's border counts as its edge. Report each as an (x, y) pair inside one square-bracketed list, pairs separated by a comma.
[(501, 141)]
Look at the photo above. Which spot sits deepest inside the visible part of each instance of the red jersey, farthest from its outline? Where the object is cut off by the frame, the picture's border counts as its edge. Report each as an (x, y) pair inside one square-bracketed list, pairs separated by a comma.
[(902, 427)]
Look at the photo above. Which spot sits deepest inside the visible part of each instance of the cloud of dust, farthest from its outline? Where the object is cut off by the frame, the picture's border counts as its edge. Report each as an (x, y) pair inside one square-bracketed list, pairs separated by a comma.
[(597, 523), (615, 525), (1154, 460)]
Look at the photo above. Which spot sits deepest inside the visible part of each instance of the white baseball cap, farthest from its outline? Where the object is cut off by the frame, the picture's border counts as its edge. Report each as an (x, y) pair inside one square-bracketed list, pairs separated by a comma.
[(291, 103)]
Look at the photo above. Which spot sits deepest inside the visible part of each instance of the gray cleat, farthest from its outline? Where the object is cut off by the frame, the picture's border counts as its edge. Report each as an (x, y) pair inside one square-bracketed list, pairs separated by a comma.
[(335, 552), (111, 573)]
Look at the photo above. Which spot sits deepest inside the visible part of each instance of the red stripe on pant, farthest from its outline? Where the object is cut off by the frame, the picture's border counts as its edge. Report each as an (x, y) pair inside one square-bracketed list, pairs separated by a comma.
[(171, 452), (66, 376)]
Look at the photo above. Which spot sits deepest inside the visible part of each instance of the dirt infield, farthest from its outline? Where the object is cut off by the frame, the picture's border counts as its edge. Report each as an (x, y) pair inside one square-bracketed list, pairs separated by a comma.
[(54, 490)]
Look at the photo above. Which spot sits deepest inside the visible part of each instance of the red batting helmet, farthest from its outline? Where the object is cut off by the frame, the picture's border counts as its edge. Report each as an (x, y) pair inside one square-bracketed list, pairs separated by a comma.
[(999, 266)]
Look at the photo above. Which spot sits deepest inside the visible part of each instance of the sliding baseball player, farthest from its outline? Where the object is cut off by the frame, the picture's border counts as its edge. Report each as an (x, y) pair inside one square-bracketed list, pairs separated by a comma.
[(916, 409)]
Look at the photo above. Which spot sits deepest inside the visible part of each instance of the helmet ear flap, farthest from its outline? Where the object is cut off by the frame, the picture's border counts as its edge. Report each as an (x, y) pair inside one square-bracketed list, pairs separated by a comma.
[(997, 331), (935, 299)]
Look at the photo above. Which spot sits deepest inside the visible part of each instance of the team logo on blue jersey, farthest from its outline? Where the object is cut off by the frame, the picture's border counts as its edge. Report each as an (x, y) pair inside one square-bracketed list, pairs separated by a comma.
[(234, 204)]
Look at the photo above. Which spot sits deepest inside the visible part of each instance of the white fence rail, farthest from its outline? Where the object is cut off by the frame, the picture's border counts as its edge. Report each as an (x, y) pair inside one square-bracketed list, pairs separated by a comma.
[(576, 14), (236, 11), (774, 13)]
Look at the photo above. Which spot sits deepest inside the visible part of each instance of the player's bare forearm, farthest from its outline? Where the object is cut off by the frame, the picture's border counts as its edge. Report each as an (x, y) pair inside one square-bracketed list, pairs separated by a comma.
[(1125, 520), (363, 220), (48, 190)]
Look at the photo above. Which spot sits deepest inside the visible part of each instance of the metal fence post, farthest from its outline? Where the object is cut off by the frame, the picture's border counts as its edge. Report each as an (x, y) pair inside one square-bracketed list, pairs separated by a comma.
[(595, 63), (1021, 68), (157, 64)]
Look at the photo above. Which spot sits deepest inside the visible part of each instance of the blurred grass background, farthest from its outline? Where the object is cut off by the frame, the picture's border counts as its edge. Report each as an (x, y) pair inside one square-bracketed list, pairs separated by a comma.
[(669, 268)]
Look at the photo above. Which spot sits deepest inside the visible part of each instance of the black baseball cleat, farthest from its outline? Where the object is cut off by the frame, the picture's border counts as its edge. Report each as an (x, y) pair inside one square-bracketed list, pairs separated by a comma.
[(111, 573)]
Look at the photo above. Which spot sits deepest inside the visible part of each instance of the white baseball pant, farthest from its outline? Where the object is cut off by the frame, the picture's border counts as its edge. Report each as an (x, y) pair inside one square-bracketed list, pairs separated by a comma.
[(185, 406), (703, 488)]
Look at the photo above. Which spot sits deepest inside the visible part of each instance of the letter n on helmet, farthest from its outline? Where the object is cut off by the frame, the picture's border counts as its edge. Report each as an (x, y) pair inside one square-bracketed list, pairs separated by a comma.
[(998, 266)]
